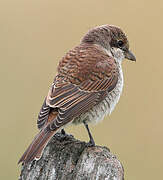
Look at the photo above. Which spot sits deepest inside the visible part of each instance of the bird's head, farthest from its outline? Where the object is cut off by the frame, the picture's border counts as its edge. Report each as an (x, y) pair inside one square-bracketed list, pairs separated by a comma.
[(112, 39)]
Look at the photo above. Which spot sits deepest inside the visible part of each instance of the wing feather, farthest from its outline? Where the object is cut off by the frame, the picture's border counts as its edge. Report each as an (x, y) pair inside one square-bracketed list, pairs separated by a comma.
[(43, 115), (75, 110)]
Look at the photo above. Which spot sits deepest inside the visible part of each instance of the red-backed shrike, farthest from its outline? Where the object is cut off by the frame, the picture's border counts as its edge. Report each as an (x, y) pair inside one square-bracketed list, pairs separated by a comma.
[(87, 86)]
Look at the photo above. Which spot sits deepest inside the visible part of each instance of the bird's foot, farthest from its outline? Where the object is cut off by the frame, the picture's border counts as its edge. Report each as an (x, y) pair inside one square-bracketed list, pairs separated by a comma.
[(91, 142)]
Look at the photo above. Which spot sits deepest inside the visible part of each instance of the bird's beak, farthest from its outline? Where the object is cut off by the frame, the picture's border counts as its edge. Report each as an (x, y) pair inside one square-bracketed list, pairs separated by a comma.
[(129, 55)]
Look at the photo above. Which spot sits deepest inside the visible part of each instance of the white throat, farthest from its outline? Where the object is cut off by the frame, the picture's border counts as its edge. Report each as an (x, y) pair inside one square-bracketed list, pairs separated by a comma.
[(117, 54)]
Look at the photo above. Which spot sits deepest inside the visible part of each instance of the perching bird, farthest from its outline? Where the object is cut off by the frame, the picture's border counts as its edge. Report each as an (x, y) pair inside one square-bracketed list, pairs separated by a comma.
[(87, 86)]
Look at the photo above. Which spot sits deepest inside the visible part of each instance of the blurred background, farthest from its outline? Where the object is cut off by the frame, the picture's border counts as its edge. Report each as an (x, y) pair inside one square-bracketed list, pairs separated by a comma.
[(35, 34)]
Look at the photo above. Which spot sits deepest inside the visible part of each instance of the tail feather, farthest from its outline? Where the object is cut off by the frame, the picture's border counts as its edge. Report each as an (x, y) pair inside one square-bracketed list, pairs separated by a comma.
[(36, 147)]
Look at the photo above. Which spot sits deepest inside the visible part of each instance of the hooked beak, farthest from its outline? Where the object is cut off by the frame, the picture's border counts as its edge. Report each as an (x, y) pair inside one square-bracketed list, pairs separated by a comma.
[(129, 55)]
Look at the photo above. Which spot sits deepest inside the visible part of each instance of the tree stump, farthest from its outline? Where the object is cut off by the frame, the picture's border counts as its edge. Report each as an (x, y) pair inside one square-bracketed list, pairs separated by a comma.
[(66, 158)]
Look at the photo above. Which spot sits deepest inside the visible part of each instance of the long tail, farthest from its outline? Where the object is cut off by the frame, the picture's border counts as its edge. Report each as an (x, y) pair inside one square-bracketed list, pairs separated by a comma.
[(36, 147)]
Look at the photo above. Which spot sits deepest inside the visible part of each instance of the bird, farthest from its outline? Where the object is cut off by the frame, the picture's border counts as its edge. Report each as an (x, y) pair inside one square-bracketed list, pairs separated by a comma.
[(86, 88)]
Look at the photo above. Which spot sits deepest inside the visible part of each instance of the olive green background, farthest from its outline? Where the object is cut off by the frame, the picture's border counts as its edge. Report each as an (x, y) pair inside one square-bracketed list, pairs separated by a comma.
[(35, 34)]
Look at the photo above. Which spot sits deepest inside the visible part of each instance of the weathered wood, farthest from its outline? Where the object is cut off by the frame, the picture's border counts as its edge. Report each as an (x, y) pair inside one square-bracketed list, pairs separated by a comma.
[(66, 158)]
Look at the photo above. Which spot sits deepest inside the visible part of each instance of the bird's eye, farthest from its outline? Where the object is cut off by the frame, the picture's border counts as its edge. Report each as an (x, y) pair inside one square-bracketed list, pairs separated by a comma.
[(120, 43)]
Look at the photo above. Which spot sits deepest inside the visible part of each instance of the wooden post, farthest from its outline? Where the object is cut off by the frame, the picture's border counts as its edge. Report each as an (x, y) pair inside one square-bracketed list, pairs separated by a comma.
[(66, 158)]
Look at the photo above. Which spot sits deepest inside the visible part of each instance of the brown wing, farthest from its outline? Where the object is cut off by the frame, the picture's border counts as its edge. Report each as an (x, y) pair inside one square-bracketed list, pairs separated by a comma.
[(85, 75), (81, 83), (72, 101)]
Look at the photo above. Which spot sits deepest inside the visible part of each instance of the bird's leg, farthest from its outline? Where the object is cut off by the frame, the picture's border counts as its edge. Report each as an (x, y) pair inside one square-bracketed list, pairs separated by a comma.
[(91, 141), (63, 132)]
